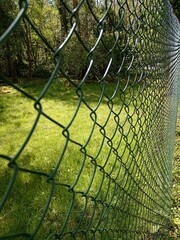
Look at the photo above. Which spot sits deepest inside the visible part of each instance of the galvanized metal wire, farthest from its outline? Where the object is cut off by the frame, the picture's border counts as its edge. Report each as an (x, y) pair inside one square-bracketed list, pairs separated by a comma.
[(132, 199)]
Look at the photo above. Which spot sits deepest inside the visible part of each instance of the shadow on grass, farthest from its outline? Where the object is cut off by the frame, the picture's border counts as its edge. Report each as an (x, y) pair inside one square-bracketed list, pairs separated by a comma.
[(105, 212), (96, 193), (63, 90)]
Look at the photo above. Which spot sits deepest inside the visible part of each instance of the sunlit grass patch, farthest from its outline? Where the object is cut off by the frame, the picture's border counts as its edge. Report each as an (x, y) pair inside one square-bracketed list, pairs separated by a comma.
[(175, 217), (80, 156), (83, 166)]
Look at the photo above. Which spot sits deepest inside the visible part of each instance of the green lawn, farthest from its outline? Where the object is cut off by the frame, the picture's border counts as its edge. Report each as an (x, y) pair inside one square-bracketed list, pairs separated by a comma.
[(70, 165), (176, 185), (28, 199)]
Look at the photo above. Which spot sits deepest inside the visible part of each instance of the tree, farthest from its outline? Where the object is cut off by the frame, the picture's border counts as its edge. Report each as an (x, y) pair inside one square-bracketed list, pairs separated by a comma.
[(176, 7), (24, 54), (10, 53), (63, 18)]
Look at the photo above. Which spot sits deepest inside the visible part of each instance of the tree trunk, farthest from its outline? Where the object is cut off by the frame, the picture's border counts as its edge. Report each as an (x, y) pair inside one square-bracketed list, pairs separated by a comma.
[(27, 38), (78, 29), (75, 3), (10, 63), (63, 17)]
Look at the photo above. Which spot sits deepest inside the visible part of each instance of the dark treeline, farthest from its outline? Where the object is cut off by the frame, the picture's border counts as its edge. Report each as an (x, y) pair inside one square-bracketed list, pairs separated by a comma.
[(176, 7), (25, 55)]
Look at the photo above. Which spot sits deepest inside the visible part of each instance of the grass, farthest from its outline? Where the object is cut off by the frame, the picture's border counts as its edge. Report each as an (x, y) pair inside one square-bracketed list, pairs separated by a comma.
[(175, 218), (86, 177)]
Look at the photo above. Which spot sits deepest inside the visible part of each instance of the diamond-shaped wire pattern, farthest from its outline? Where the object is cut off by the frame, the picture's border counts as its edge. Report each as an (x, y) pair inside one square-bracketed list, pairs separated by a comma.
[(127, 145)]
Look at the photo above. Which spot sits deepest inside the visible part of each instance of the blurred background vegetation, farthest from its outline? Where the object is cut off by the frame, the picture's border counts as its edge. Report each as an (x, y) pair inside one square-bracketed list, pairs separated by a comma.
[(24, 55)]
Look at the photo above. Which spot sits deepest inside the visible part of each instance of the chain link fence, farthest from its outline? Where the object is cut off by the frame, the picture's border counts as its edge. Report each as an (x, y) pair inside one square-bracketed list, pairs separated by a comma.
[(112, 174)]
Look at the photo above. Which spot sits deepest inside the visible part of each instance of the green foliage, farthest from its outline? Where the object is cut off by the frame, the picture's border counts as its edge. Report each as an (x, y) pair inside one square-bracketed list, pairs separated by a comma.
[(176, 7), (30, 58), (25, 55), (74, 58), (11, 51)]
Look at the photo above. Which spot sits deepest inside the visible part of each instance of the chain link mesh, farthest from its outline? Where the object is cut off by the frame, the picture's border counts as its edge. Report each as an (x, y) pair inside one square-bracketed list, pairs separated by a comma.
[(127, 150)]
